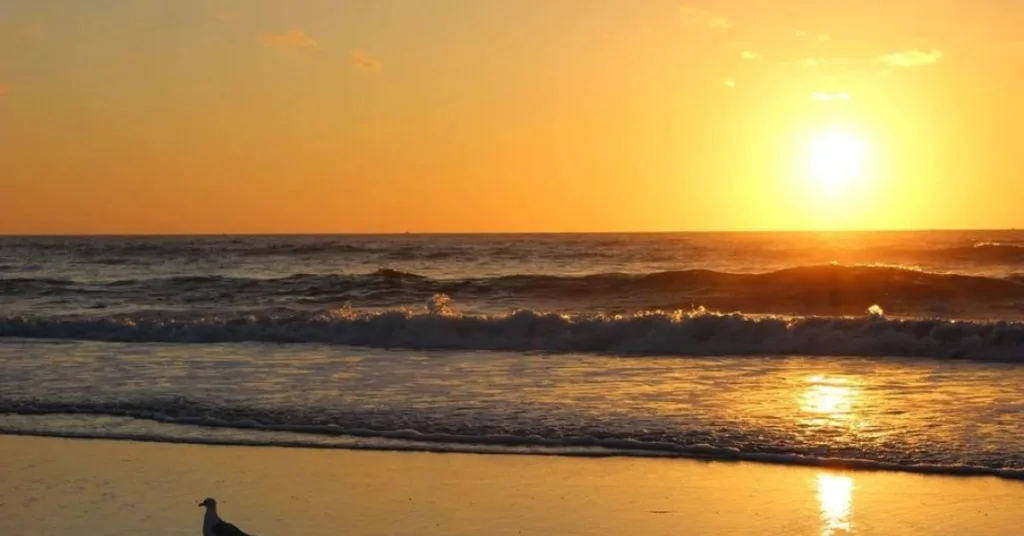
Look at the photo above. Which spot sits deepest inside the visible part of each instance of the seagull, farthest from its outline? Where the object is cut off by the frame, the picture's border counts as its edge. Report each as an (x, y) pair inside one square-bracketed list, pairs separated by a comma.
[(213, 525)]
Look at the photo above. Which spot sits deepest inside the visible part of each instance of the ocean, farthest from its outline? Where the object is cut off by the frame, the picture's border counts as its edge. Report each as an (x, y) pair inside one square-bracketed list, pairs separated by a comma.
[(894, 350)]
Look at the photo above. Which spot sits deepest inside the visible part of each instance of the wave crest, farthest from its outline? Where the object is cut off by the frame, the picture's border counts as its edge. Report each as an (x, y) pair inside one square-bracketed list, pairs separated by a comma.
[(678, 333), (836, 284)]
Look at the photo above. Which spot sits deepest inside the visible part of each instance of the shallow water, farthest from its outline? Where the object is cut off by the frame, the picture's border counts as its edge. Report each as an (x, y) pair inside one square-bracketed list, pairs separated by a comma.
[(958, 416)]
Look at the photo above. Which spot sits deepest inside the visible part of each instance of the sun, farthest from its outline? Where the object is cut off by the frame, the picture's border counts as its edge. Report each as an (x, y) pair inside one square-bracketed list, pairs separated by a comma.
[(835, 159)]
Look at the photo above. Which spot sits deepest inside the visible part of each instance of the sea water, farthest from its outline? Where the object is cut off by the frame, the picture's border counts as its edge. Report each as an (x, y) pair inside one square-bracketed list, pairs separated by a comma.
[(875, 350)]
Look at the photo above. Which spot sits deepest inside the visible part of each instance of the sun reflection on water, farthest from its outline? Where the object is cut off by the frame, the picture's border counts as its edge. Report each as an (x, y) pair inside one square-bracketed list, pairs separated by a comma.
[(835, 497), (829, 398)]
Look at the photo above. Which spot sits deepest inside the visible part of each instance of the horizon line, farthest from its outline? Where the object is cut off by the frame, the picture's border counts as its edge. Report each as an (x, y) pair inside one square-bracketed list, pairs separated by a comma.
[(506, 233)]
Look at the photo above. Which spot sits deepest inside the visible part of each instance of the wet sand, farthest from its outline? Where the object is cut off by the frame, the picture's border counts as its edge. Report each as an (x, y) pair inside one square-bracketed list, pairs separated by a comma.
[(93, 488)]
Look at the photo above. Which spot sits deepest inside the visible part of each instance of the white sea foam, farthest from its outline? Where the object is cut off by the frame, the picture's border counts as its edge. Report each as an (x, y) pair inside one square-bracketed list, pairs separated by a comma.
[(682, 333), (325, 437)]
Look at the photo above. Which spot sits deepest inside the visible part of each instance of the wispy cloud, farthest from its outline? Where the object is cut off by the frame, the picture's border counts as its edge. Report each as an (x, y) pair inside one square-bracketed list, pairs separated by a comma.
[(811, 63), (729, 83), (750, 56), (822, 96), (293, 40), (363, 61), (911, 58), (704, 17)]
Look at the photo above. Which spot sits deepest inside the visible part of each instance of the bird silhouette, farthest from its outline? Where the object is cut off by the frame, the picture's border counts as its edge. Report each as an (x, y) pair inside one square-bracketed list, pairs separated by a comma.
[(213, 525)]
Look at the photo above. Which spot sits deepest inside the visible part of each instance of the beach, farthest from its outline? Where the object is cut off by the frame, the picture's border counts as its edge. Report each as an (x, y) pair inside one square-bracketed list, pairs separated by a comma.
[(89, 487)]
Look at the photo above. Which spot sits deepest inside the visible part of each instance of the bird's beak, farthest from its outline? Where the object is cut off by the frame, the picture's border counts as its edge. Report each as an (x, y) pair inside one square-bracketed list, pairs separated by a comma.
[(200, 505)]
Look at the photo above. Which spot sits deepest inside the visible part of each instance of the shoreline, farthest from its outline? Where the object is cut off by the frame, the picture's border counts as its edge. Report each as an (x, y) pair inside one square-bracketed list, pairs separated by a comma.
[(89, 488), (466, 447)]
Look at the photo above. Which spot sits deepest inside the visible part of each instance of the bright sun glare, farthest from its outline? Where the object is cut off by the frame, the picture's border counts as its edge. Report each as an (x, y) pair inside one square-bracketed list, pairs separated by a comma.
[(835, 159), (835, 494)]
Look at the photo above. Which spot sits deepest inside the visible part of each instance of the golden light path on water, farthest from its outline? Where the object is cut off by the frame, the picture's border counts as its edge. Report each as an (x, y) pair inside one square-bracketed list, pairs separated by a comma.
[(835, 501), (828, 400), (831, 400)]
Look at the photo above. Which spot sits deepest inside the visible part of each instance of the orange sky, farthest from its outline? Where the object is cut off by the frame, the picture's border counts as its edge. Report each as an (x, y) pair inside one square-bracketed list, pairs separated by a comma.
[(262, 116)]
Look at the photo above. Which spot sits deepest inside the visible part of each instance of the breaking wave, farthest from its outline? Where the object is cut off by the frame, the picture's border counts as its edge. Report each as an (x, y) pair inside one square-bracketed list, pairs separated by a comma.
[(990, 252), (679, 333)]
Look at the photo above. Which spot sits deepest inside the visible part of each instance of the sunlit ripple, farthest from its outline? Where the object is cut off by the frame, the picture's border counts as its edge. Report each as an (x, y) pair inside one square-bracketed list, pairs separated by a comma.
[(829, 398), (835, 498)]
